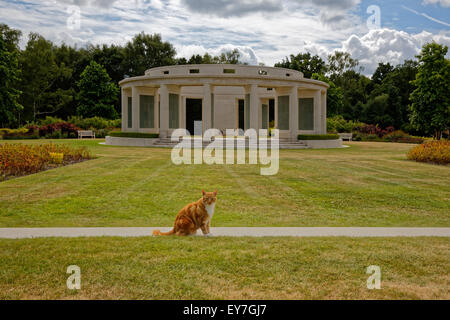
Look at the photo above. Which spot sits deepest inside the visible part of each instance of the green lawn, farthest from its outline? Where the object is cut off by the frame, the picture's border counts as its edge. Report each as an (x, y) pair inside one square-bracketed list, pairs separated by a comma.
[(369, 184), (225, 268)]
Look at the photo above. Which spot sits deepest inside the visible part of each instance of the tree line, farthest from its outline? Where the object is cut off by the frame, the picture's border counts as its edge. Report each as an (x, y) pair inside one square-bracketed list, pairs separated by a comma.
[(45, 79), (413, 96)]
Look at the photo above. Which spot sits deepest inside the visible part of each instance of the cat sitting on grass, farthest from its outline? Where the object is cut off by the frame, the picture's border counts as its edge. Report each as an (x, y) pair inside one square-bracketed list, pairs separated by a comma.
[(194, 216)]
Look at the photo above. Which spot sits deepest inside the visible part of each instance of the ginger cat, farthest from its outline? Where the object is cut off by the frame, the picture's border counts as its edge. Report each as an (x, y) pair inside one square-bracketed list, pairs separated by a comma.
[(194, 216)]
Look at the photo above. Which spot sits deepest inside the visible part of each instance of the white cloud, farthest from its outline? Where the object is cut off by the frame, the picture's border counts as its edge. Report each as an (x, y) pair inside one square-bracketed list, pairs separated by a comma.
[(319, 27), (387, 45), (228, 8), (335, 14)]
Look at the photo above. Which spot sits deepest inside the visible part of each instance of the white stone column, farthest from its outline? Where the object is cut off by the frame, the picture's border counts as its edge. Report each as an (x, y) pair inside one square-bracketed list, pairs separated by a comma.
[(124, 110), (135, 108), (276, 108), (293, 114), (324, 112), (164, 113), (156, 108), (254, 107), (317, 112), (206, 108), (183, 111)]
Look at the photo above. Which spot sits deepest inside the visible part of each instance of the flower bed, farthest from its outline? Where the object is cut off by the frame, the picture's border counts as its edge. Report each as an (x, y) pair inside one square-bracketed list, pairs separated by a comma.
[(401, 137), (437, 152), (55, 128), (21, 159)]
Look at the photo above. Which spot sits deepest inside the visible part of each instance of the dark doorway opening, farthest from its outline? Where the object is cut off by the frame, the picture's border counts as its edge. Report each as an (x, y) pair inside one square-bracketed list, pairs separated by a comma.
[(272, 113), (193, 113), (242, 115)]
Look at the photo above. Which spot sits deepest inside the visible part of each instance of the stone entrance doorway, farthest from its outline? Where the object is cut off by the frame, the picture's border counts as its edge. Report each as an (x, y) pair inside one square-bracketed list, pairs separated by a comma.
[(193, 113)]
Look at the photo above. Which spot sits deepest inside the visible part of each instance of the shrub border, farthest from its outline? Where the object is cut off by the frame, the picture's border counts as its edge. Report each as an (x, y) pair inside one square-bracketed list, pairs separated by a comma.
[(318, 137), (138, 135)]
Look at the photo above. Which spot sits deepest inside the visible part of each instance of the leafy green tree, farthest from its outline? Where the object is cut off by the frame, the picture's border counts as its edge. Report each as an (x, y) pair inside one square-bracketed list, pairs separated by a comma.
[(335, 97), (9, 71), (402, 76), (339, 63), (355, 89), (395, 82), (375, 111), (41, 92), (229, 57), (68, 57), (181, 61), (430, 109), (195, 59), (146, 51), (305, 63), (111, 57), (10, 37), (97, 93), (381, 72)]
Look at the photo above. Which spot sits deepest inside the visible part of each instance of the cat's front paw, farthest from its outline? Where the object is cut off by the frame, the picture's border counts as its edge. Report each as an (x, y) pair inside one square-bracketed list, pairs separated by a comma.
[(209, 235)]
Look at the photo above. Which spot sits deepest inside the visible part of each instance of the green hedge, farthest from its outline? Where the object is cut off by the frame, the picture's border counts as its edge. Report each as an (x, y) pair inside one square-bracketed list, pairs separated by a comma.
[(318, 137), (134, 135)]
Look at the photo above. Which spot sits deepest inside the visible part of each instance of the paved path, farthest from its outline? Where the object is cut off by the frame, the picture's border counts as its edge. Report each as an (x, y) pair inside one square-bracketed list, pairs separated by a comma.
[(18, 233)]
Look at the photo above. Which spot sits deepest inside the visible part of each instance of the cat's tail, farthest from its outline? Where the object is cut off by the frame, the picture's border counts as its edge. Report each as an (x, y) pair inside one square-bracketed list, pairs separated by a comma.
[(159, 233)]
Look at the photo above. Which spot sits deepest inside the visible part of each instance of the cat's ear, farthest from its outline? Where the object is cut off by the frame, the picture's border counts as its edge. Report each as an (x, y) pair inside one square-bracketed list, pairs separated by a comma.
[(203, 192), (215, 193)]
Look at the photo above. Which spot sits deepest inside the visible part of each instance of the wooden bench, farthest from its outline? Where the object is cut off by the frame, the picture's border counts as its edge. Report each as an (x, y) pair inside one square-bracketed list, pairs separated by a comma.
[(346, 136), (86, 134)]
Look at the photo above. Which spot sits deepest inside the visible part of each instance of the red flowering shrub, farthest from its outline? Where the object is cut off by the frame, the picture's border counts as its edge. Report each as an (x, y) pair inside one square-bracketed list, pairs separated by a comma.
[(402, 137), (63, 127), (375, 130)]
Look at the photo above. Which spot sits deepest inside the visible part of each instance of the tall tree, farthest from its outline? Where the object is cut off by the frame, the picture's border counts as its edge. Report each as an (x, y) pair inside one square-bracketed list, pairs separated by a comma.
[(195, 59), (111, 58), (41, 94), (9, 71), (356, 89), (340, 62), (10, 37), (430, 109), (228, 57), (381, 72), (375, 111), (396, 84), (146, 51), (97, 93), (305, 63)]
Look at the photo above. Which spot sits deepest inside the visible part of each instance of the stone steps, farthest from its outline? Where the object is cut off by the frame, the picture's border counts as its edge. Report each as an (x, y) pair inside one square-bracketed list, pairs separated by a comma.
[(285, 144)]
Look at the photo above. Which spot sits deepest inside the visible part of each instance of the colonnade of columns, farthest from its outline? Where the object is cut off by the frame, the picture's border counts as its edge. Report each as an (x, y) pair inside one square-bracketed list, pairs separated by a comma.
[(208, 89)]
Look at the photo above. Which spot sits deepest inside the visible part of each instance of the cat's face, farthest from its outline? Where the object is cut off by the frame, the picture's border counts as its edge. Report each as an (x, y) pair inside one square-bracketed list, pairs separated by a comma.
[(209, 197)]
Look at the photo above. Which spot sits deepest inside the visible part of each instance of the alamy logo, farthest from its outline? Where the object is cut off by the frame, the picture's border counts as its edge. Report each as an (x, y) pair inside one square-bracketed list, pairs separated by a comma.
[(74, 19), (74, 280), (228, 149), (374, 21), (374, 281)]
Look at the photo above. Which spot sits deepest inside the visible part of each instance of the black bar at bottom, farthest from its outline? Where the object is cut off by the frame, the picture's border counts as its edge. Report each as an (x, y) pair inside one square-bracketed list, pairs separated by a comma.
[(258, 309)]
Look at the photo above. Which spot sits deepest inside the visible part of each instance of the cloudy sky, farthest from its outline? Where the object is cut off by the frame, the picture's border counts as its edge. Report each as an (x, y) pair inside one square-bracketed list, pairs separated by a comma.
[(265, 31)]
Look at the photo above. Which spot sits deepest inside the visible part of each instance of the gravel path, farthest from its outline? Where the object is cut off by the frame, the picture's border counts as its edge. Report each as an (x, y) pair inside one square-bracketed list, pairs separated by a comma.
[(19, 233)]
